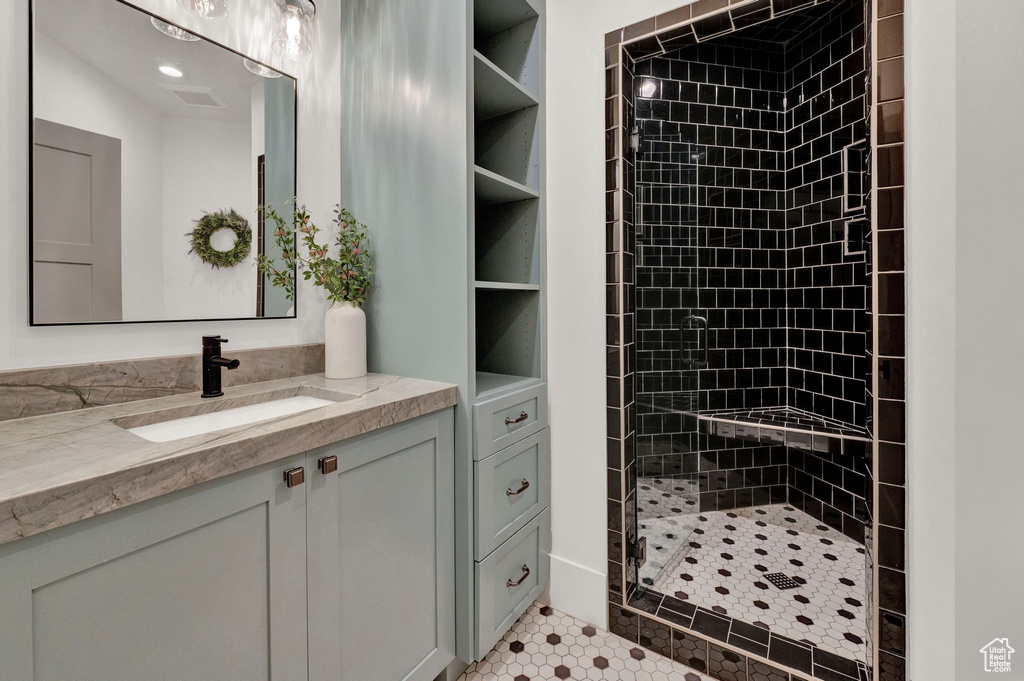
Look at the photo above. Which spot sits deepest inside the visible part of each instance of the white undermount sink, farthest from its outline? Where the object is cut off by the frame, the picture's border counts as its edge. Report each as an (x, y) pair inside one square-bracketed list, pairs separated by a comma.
[(183, 422)]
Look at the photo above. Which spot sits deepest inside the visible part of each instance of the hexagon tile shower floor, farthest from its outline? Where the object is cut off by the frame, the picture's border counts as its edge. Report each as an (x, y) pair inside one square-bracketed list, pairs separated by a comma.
[(545, 645)]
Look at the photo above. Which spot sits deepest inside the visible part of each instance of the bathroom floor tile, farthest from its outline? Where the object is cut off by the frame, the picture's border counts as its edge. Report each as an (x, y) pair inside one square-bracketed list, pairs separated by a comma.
[(546, 645), (722, 566)]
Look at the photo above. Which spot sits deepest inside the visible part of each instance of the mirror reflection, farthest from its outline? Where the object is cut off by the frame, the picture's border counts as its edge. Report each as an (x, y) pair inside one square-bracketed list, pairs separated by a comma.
[(152, 150)]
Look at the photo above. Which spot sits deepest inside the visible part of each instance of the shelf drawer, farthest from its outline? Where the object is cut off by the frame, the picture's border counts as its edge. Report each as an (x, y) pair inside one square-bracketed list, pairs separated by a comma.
[(512, 487), (510, 579), (505, 420)]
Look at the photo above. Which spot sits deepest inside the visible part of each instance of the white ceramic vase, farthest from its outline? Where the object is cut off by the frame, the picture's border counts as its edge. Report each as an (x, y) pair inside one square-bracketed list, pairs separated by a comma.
[(345, 341)]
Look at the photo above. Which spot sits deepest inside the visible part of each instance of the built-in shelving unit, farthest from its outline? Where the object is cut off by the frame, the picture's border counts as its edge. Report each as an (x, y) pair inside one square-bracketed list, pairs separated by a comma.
[(461, 256), (507, 226), (506, 220)]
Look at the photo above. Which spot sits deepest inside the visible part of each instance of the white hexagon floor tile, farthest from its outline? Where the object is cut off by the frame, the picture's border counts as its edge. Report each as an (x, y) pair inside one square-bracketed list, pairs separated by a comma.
[(722, 566), (546, 645)]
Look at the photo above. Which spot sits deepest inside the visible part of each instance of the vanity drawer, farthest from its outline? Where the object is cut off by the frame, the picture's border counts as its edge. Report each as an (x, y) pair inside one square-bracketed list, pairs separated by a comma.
[(512, 487), (510, 579), (508, 419)]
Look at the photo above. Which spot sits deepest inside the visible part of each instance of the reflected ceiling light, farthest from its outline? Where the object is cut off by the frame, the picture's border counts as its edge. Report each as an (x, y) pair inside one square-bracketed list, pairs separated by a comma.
[(294, 33), (172, 71), (260, 69), (174, 31), (208, 9), (648, 88)]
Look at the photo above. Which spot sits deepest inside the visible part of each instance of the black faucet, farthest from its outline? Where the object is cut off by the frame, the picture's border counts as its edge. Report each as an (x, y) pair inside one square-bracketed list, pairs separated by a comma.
[(212, 363)]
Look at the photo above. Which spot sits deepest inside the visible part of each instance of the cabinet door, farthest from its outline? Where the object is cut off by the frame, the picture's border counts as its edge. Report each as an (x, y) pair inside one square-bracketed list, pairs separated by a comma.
[(206, 583), (381, 555)]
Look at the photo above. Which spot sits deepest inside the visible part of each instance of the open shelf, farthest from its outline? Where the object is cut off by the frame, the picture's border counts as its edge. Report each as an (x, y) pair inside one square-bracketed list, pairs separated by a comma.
[(488, 385), (492, 189), (491, 17), (496, 93), (507, 33), (509, 146), (508, 244), (508, 332), (505, 286)]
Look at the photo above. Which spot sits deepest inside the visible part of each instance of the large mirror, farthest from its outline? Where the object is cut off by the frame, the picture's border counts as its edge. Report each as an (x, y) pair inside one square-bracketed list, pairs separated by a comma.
[(142, 133)]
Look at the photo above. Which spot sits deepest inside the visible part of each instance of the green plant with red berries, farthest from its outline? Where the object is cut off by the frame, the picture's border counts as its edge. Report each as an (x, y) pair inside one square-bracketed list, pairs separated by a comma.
[(346, 276)]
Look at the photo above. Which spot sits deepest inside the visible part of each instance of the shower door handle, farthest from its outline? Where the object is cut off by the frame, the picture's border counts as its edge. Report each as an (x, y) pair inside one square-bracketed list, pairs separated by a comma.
[(703, 335)]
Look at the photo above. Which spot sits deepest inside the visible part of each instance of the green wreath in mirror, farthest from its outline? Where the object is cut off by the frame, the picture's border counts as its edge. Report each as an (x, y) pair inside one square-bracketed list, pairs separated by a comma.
[(211, 223)]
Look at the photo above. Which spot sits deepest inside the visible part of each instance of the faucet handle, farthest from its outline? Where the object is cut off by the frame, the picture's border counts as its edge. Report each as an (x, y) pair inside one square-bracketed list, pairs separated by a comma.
[(222, 340)]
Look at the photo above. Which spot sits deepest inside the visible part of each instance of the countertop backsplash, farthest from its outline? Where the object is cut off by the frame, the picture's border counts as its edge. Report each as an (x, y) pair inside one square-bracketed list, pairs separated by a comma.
[(49, 390)]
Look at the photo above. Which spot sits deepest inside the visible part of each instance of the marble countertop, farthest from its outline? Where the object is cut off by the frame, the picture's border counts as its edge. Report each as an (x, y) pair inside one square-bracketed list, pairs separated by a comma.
[(61, 468)]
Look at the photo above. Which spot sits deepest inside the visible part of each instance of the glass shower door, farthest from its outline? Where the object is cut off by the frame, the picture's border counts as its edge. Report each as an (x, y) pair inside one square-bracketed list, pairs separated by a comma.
[(671, 342)]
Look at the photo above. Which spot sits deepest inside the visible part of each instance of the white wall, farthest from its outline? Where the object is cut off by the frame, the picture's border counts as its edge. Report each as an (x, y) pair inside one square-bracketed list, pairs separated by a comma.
[(247, 30), (576, 285), (216, 156), (103, 107), (989, 331), (932, 305)]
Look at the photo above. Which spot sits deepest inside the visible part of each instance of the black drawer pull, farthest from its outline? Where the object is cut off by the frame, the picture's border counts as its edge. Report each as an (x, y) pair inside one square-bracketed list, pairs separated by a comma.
[(515, 493), (526, 573), (511, 422)]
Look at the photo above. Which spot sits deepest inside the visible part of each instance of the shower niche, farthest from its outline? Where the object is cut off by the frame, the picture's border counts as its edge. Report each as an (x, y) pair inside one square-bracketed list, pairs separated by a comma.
[(744, 280)]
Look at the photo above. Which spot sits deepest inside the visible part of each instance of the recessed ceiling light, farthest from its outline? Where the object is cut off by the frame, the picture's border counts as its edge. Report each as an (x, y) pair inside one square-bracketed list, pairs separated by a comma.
[(173, 31), (260, 69), (172, 71)]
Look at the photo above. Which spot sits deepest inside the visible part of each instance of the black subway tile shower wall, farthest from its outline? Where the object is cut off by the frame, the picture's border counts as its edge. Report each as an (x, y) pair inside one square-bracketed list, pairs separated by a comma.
[(739, 183), (828, 309)]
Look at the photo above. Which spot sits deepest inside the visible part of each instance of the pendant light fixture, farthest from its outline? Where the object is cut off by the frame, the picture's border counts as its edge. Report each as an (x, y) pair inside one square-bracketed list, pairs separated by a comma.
[(208, 9), (295, 29), (260, 69), (174, 31)]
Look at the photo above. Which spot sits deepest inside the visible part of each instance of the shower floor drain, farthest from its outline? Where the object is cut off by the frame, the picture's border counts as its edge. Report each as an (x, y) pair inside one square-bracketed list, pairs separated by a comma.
[(781, 581)]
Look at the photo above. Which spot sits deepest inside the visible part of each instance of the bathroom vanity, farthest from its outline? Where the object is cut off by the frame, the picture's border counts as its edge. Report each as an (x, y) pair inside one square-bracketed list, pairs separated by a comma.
[(316, 545)]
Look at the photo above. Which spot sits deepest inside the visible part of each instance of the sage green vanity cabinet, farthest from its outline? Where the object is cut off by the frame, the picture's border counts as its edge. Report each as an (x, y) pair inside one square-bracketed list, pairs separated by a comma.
[(382, 555), (347, 576), (206, 583)]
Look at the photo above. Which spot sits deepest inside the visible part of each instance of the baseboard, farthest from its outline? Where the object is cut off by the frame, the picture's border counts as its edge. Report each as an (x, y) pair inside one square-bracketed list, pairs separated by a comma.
[(579, 591)]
